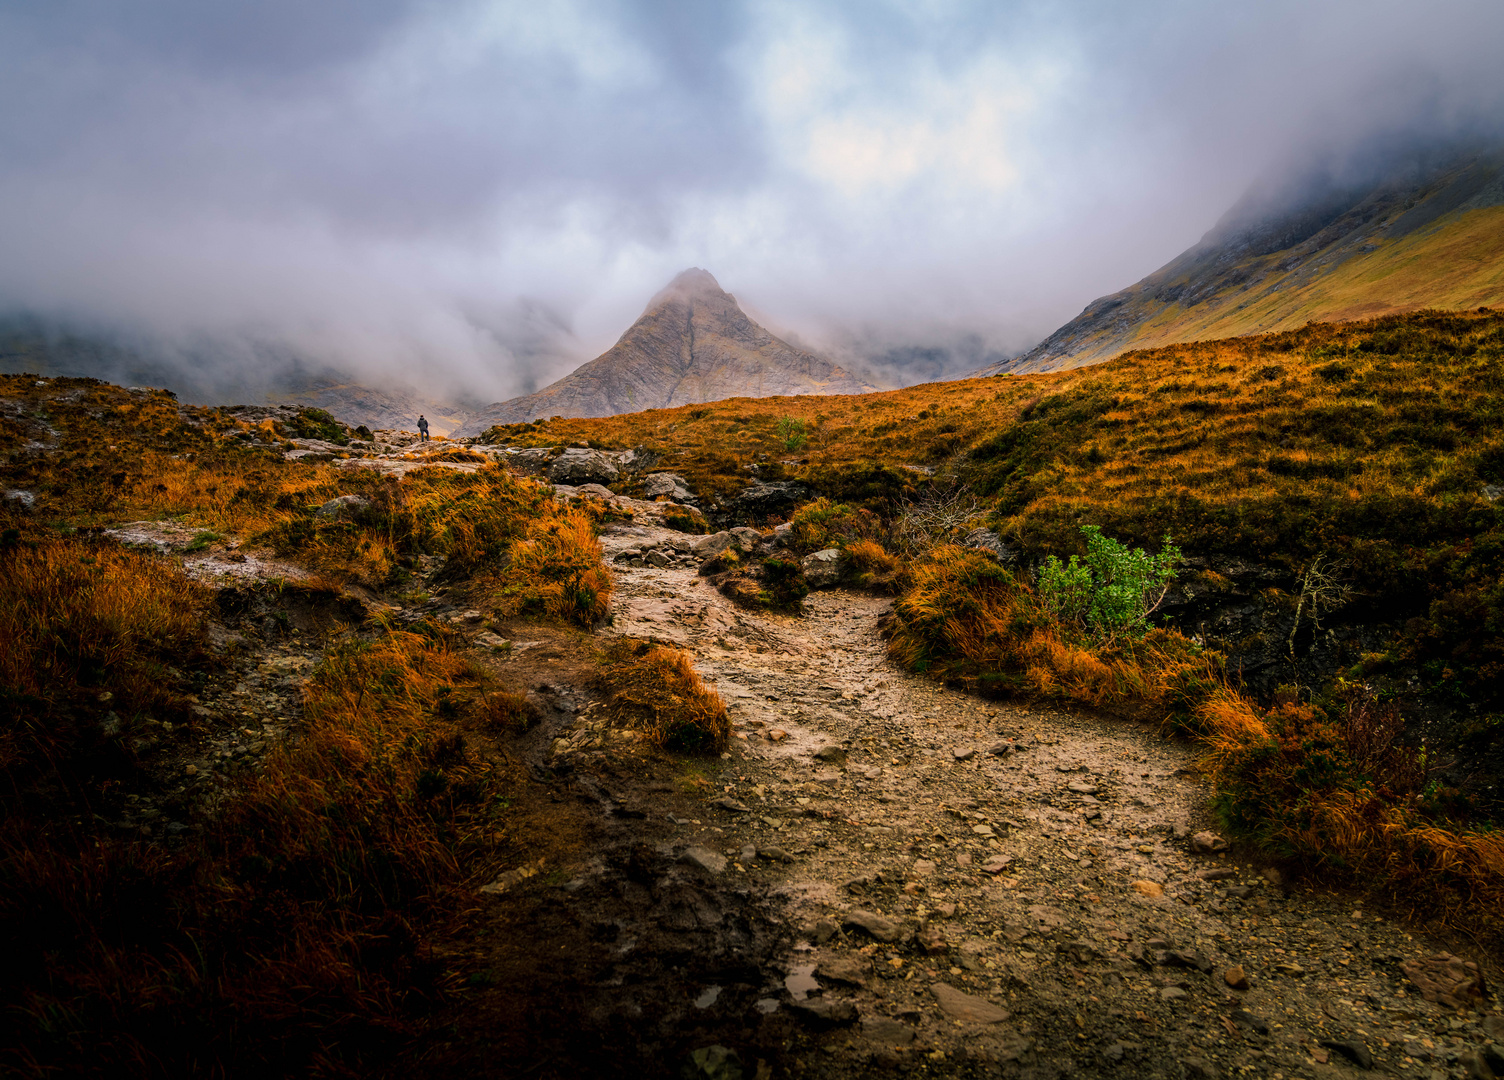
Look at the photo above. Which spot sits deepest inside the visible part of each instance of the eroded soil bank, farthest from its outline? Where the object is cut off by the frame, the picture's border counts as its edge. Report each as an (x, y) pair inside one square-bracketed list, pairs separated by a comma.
[(886, 875)]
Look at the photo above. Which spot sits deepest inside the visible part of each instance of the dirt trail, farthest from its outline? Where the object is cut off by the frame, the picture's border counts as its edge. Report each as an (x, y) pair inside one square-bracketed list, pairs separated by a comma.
[(973, 887)]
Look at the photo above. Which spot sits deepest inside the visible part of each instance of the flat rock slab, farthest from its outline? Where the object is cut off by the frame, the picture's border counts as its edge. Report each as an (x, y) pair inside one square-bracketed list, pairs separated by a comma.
[(879, 926), (967, 1008), (712, 862), (851, 970)]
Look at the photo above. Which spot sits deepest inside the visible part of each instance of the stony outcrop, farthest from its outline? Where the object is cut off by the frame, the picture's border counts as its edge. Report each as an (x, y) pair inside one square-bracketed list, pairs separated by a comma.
[(692, 344)]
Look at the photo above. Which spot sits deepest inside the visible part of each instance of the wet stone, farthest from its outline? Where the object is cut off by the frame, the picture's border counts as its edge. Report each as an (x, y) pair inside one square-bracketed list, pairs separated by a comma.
[(887, 1031), (967, 1008), (878, 926)]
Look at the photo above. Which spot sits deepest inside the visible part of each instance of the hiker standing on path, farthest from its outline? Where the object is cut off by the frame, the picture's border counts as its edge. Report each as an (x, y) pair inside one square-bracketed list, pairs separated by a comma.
[(422, 428)]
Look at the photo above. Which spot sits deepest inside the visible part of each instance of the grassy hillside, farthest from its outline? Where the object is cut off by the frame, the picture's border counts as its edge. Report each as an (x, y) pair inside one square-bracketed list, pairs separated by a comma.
[(1426, 234), (1457, 264)]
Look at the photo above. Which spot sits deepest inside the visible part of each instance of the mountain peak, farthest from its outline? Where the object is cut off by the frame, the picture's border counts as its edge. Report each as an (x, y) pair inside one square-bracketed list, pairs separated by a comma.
[(690, 284), (693, 343)]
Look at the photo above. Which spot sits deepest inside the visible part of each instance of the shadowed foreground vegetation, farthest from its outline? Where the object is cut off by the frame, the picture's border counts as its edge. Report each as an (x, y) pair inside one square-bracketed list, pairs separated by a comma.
[(295, 928)]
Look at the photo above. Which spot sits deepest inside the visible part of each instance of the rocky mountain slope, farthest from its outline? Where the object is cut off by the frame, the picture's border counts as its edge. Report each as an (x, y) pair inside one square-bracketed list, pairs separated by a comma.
[(692, 344), (1422, 234)]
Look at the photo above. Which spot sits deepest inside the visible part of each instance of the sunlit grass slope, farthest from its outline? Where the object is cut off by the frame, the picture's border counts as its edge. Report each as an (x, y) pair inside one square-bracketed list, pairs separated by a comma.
[(1457, 263)]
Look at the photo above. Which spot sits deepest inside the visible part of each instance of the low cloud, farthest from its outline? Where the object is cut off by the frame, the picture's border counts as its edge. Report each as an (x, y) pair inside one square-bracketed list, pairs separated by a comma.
[(476, 197)]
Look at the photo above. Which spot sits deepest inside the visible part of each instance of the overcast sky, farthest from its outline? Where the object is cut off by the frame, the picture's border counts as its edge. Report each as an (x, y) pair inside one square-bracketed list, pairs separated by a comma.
[(481, 195)]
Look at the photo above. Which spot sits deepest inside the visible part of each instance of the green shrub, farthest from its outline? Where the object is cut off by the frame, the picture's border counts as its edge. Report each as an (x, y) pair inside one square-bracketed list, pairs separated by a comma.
[(793, 433), (1113, 592)]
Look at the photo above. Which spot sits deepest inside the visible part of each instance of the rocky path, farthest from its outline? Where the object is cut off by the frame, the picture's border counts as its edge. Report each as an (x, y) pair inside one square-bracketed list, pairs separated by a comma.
[(985, 888)]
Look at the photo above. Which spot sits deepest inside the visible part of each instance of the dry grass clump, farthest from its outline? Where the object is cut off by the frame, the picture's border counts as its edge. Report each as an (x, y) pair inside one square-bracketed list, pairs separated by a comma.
[(87, 624), (657, 691), (554, 569), (292, 936)]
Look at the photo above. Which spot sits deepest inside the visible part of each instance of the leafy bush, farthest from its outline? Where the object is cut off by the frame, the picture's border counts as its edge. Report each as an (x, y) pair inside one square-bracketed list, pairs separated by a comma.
[(1113, 592), (793, 433), (824, 523)]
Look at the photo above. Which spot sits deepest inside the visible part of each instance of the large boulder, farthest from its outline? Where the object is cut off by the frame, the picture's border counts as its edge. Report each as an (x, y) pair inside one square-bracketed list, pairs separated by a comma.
[(822, 570), (578, 465), (746, 541), (761, 500), (670, 484)]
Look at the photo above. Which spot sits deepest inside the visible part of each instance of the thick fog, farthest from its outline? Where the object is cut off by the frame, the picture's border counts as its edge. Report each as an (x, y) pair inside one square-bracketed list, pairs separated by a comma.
[(475, 197)]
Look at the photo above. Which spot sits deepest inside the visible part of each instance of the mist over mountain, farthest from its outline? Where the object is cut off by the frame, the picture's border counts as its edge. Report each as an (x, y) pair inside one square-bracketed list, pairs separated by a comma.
[(692, 344), (1415, 229)]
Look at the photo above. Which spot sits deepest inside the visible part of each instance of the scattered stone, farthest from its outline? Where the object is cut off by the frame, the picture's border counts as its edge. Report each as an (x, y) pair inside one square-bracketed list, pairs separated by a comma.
[(732, 805), (1476, 1064), (983, 830), (1235, 977), (1080, 787), (1251, 1021), (1171, 993), (823, 930), (852, 969), (1239, 892), (967, 1007), (945, 910), (999, 749), (887, 1031), (932, 941), (190, 770), (997, 865), (822, 570), (1446, 979), (1493, 1027), (774, 854), (1351, 1049), (832, 754), (487, 640), (828, 779), (963, 754), (823, 1013), (1152, 889), (511, 878), (776, 734), (1204, 843), (1221, 873), (711, 862), (880, 927), (1198, 1069)]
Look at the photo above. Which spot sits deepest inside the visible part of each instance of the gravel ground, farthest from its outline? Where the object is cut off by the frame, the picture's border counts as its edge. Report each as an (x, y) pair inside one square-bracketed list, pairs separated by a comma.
[(975, 887)]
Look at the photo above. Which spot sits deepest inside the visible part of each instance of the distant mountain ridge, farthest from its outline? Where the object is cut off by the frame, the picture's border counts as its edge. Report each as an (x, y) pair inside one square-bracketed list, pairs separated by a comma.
[(31, 344), (1424, 234), (692, 344)]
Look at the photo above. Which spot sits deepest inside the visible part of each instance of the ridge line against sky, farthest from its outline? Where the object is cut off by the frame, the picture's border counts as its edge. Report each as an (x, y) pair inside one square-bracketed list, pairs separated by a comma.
[(480, 196)]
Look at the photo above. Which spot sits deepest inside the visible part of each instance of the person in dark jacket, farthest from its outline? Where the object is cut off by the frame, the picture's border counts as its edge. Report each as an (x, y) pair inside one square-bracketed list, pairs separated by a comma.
[(422, 428)]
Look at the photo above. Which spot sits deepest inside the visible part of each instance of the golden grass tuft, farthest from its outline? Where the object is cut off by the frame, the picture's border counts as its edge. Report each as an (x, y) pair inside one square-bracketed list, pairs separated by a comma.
[(657, 691)]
